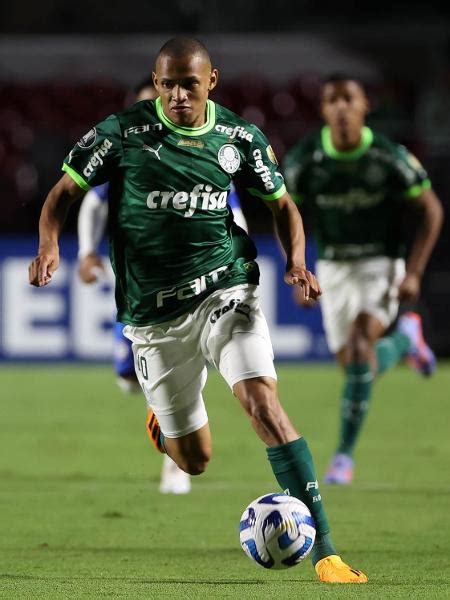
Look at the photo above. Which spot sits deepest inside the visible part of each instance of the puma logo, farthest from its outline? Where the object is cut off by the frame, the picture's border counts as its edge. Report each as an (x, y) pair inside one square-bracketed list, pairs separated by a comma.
[(155, 151)]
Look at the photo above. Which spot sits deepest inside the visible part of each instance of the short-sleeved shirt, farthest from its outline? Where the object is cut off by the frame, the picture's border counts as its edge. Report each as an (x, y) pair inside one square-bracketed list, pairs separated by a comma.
[(171, 231), (355, 198)]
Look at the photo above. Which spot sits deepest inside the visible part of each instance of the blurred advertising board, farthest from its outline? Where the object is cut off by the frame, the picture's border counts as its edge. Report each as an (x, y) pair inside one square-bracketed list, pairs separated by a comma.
[(71, 321)]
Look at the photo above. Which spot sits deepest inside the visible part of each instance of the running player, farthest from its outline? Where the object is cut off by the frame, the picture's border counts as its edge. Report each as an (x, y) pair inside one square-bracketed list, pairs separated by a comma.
[(186, 280), (356, 184)]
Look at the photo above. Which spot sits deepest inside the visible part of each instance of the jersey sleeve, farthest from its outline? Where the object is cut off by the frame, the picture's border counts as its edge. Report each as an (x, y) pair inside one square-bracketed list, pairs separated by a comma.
[(260, 174), (413, 177), (94, 157)]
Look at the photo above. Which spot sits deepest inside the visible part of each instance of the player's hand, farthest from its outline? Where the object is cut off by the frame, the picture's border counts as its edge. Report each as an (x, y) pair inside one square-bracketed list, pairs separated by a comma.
[(91, 268), (306, 281), (298, 294), (43, 266), (409, 289)]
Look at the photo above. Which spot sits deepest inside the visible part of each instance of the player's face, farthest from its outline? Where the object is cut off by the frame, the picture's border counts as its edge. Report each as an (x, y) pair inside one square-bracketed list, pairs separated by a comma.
[(344, 108), (184, 85)]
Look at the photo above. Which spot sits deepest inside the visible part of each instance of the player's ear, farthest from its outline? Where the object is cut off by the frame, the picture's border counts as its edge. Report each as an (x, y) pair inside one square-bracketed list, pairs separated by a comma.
[(213, 79), (155, 79)]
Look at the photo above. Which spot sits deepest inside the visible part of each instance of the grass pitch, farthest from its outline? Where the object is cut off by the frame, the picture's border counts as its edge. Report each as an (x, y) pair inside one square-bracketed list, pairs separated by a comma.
[(81, 516)]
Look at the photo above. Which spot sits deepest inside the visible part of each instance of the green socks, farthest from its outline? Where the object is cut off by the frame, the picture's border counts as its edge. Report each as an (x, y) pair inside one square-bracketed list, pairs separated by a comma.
[(355, 404), (293, 468), (358, 387), (390, 349)]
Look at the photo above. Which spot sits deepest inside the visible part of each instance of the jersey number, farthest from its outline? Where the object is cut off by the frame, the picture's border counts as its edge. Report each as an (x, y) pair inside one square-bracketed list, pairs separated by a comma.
[(142, 366)]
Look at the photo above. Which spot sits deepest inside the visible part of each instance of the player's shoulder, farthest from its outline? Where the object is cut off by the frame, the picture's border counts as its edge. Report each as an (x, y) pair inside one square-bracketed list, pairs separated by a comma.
[(389, 148), (383, 142), (234, 126), (398, 156), (138, 118)]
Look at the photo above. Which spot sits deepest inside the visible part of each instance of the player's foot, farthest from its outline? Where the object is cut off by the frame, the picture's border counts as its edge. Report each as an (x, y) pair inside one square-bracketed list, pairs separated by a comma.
[(420, 356), (173, 479), (333, 569), (340, 470), (154, 431)]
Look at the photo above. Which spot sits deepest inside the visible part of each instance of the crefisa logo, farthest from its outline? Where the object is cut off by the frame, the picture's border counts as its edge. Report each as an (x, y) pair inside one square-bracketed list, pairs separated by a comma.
[(88, 139)]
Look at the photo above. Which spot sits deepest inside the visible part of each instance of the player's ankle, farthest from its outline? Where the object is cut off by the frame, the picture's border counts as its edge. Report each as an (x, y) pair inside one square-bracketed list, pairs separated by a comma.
[(323, 547)]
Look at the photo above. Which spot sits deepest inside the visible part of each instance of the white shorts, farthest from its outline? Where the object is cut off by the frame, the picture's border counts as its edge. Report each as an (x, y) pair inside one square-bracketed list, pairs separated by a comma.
[(367, 285), (228, 330)]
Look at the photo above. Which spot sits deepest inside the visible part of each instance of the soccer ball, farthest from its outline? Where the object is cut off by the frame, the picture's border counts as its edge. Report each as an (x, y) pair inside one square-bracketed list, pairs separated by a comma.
[(277, 531)]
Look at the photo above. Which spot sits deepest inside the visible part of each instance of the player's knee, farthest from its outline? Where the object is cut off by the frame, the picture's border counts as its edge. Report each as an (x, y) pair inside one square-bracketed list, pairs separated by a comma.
[(194, 464), (359, 346)]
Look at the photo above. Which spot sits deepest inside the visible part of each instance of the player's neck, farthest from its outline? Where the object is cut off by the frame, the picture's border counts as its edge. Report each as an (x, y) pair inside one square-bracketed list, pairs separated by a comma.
[(344, 141)]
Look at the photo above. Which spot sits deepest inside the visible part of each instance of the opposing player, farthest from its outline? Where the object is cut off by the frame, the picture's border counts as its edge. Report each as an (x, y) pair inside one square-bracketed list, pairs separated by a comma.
[(356, 185), (186, 278)]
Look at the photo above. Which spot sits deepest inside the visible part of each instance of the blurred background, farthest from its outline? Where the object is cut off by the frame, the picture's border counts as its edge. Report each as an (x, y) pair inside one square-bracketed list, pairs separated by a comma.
[(66, 65)]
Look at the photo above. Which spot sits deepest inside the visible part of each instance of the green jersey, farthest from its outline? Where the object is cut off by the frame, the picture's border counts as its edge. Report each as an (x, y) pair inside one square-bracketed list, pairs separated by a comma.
[(172, 237), (355, 198)]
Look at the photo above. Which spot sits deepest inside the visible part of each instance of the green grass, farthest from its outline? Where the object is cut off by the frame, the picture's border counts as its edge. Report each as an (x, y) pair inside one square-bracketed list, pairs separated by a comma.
[(81, 517)]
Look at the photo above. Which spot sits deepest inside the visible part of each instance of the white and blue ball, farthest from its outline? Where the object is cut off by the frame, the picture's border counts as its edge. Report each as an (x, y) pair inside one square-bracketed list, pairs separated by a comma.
[(277, 531)]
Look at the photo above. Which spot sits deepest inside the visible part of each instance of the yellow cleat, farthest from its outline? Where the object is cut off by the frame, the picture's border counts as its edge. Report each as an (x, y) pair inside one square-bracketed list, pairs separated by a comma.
[(333, 569)]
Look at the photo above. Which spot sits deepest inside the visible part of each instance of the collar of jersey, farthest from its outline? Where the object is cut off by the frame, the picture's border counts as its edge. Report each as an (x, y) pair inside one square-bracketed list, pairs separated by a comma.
[(189, 131), (366, 141)]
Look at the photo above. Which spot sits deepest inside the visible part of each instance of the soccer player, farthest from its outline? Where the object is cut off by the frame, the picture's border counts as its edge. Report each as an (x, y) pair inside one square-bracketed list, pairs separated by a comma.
[(356, 185), (186, 277)]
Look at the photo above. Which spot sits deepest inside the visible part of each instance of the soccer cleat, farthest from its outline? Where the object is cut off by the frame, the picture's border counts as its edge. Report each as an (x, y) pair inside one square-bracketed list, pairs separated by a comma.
[(420, 357), (173, 479), (340, 471), (154, 431), (333, 569)]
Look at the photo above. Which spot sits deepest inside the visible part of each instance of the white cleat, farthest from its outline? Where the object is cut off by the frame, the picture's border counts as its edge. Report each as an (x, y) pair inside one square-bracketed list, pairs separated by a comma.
[(173, 479)]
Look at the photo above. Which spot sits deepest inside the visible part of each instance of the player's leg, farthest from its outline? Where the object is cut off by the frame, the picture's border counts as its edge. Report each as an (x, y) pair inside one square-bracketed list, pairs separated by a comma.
[(239, 346), (358, 358), (172, 373), (419, 355), (407, 340), (358, 306), (293, 467), (173, 479)]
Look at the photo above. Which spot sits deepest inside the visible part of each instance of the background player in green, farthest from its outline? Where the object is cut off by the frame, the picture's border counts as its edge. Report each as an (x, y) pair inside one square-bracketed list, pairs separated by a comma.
[(356, 185), (186, 279)]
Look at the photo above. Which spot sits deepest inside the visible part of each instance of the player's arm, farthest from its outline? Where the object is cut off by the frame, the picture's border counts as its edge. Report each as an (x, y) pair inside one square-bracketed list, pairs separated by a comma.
[(91, 228), (424, 241), (289, 227), (52, 219)]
